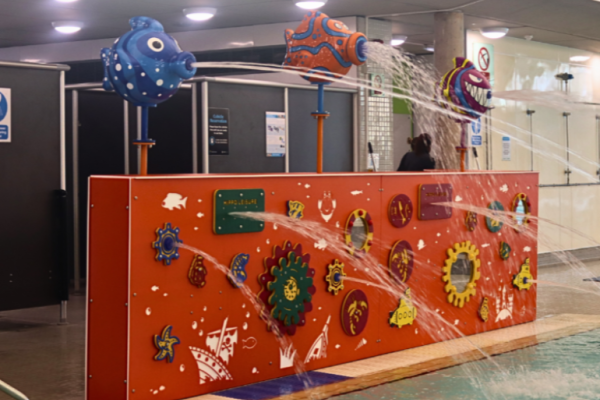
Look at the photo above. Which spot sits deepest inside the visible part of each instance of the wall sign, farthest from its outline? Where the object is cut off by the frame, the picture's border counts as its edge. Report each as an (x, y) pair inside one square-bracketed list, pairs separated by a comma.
[(242, 200), (275, 134), (505, 148), (5, 122), (483, 57), (218, 131), (475, 131), (431, 194), (377, 81)]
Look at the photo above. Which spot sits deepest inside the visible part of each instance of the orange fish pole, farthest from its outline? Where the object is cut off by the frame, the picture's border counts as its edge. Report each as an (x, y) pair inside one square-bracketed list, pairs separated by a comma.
[(144, 143), (320, 115), (463, 146)]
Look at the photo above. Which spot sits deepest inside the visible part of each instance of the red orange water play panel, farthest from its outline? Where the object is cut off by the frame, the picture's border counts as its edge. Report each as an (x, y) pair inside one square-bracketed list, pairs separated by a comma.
[(166, 326)]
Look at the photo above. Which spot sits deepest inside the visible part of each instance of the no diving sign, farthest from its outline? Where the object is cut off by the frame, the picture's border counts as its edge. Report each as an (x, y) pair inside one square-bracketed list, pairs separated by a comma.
[(483, 58)]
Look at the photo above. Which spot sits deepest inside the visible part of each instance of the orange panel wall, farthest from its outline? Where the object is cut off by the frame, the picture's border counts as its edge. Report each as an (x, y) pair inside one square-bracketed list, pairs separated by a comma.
[(161, 295)]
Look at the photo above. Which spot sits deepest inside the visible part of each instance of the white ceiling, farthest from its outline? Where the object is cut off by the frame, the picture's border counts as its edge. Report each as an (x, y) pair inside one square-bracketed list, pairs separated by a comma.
[(572, 23)]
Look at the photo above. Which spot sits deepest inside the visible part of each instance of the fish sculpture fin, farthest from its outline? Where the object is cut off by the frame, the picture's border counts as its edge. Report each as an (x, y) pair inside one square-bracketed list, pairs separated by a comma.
[(106, 83), (146, 23), (461, 62)]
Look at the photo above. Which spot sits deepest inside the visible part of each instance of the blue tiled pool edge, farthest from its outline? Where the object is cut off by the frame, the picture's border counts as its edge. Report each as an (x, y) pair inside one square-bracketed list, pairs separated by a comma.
[(281, 386)]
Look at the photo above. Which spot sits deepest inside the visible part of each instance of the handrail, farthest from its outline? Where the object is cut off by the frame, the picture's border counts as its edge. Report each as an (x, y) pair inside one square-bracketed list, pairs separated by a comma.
[(12, 392), (17, 64), (187, 84)]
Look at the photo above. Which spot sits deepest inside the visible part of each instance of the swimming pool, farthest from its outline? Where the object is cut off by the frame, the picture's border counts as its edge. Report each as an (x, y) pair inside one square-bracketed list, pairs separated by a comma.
[(567, 368)]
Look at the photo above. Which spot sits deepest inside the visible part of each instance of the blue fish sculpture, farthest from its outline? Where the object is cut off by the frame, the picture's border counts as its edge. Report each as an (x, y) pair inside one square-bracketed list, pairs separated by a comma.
[(146, 66)]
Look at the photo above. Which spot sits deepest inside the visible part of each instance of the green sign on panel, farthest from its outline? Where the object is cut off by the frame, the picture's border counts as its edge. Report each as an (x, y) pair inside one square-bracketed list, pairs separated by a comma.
[(238, 200)]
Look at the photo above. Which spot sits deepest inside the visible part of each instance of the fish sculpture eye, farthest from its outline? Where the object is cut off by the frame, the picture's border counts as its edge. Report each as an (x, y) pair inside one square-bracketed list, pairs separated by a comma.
[(475, 78), (155, 44)]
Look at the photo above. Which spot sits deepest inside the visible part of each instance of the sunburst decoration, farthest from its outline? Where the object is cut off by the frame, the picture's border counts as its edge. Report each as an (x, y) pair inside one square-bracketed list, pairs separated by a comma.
[(166, 244), (286, 288), (335, 277), (459, 299)]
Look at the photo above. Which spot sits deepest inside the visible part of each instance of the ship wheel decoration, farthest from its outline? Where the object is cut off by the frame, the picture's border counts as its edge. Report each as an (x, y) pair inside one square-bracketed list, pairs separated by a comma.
[(197, 273), (166, 244), (286, 288), (461, 272), (335, 277), (359, 232)]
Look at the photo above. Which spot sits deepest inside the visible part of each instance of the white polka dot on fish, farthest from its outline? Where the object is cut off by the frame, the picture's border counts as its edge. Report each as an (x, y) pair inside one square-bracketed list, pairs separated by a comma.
[(159, 82)]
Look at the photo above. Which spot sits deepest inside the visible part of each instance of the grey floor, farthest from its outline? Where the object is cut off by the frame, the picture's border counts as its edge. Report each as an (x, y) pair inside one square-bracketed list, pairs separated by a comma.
[(46, 360)]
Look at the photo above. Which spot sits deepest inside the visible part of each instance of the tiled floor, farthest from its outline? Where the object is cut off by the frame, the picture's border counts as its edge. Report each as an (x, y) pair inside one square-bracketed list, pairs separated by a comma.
[(46, 361)]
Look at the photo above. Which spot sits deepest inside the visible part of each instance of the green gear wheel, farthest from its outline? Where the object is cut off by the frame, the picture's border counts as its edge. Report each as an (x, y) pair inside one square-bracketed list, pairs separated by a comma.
[(290, 289)]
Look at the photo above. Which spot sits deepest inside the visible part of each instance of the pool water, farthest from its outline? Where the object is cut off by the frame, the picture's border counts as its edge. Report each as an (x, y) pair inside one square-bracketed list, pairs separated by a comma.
[(567, 368)]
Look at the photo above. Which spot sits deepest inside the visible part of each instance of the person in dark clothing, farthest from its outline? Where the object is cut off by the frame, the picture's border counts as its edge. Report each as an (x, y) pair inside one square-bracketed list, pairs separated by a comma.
[(418, 159)]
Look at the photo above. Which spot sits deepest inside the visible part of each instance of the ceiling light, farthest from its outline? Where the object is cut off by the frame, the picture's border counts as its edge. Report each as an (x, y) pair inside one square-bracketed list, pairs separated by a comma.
[(579, 58), (429, 47), (200, 13), (310, 4), (494, 32), (67, 26), (397, 40)]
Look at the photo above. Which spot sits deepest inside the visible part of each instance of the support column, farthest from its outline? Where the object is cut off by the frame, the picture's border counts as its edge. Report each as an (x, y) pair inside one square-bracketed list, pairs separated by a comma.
[(449, 35)]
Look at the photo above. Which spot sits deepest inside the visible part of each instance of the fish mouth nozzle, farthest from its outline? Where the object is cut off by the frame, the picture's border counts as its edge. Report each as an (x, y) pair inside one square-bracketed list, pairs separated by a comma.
[(182, 65)]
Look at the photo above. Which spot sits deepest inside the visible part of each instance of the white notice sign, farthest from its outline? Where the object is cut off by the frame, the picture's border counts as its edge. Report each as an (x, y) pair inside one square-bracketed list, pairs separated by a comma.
[(5, 110), (275, 134), (505, 148)]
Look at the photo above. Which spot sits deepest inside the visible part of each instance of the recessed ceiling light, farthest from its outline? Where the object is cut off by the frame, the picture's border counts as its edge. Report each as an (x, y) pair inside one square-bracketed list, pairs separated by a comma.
[(67, 26), (579, 58), (397, 40), (429, 47), (494, 32), (200, 13), (310, 4)]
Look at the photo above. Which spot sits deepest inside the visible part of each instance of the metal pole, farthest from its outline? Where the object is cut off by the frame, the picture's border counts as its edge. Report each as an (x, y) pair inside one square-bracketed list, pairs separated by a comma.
[(126, 134), (63, 312), (205, 153), (75, 142), (139, 137), (568, 170), (286, 109), (63, 151), (195, 127), (355, 132), (530, 114), (598, 143)]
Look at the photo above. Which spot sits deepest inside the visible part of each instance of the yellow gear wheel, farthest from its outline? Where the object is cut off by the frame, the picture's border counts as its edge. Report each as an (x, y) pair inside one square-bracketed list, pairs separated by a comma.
[(459, 299)]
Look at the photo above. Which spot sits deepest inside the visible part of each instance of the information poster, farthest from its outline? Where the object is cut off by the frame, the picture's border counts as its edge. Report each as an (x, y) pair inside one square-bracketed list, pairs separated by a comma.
[(5, 109), (505, 148), (275, 134), (218, 131), (377, 81), (475, 131)]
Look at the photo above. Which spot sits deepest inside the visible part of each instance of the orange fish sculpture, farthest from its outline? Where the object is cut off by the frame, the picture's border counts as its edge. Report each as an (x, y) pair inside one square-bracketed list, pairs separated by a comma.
[(323, 47)]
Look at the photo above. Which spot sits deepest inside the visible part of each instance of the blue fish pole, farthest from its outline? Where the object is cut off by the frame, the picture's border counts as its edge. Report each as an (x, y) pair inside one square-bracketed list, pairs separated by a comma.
[(144, 143), (320, 115)]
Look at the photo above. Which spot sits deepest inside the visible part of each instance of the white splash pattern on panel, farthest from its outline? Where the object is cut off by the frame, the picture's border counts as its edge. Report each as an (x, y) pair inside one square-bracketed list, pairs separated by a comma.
[(319, 348), (361, 343), (174, 201), (504, 188), (321, 244), (200, 215), (286, 357), (421, 244)]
